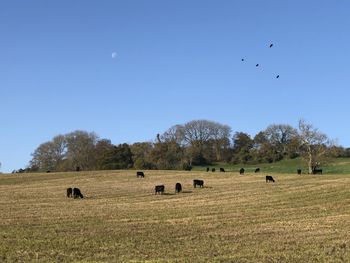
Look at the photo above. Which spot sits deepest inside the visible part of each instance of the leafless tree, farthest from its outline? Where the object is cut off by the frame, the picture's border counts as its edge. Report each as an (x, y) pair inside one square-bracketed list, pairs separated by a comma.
[(204, 137), (198, 132), (80, 149), (49, 154), (313, 144), (173, 134)]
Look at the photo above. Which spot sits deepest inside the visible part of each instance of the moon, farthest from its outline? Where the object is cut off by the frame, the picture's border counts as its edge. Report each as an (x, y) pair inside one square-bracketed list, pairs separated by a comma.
[(114, 54)]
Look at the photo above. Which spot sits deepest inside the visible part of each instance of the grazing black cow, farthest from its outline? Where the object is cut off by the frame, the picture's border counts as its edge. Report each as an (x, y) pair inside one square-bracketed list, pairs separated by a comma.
[(317, 171), (77, 169), (222, 170), (213, 169), (140, 174), (48, 171), (299, 171), (77, 193), (159, 189), (69, 192), (196, 182), (178, 188), (257, 170), (208, 169), (269, 178), (241, 171)]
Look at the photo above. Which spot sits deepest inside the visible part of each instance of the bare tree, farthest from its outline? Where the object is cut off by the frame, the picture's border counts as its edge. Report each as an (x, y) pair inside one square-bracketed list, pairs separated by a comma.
[(59, 150), (313, 144), (50, 154), (80, 149), (173, 134), (221, 139), (197, 132), (204, 138), (280, 134)]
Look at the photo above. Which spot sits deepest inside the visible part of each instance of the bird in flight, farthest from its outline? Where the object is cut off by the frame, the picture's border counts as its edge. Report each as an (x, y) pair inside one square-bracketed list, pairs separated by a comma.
[(257, 65)]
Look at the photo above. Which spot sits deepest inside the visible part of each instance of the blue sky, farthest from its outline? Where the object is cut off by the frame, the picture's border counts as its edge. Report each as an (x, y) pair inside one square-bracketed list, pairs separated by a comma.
[(176, 61)]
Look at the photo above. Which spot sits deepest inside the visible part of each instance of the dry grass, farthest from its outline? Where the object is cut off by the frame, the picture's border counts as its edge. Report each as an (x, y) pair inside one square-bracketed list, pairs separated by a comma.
[(232, 219)]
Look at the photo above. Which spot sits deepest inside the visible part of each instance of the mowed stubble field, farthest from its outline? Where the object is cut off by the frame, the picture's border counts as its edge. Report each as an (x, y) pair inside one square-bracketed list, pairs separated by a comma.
[(232, 219)]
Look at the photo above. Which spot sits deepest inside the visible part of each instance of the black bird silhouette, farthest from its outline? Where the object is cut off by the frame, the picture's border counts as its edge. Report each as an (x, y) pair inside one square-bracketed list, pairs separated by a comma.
[(277, 76), (271, 45), (257, 65)]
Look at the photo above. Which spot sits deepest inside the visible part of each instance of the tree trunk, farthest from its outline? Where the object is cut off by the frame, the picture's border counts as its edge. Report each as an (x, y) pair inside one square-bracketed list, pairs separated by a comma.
[(310, 163)]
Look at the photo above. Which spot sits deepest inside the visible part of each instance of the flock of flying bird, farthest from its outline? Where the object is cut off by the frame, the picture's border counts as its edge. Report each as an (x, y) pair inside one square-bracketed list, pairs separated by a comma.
[(257, 65)]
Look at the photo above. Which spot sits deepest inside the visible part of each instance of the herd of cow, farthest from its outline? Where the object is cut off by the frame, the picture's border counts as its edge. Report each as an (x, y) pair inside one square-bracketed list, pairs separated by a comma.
[(159, 189), (241, 171)]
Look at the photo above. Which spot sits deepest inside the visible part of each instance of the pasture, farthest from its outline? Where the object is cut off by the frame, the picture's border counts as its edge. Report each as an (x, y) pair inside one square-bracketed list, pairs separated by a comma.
[(232, 218), (287, 166)]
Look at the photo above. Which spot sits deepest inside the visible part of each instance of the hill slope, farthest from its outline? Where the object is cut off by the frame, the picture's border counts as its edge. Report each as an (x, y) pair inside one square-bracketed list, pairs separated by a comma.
[(332, 166)]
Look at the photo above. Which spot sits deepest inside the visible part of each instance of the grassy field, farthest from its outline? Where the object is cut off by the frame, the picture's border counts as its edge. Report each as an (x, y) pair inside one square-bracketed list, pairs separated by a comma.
[(331, 166), (232, 219)]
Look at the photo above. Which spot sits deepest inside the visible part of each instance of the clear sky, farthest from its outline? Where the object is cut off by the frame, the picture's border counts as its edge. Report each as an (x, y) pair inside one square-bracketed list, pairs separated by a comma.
[(175, 61)]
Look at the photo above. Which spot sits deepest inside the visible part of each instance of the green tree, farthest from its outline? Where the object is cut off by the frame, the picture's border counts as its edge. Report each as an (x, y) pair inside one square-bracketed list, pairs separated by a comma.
[(141, 152), (167, 155), (103, 151), (242, 148), (117, 157), (263, 150), (282, 138)]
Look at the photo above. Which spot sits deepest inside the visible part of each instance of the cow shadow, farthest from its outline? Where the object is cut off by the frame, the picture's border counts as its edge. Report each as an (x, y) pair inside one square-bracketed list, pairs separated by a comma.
[(168, 194), (85, 198)]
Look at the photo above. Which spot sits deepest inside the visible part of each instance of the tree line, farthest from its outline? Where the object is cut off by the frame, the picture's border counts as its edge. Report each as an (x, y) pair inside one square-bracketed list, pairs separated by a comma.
[(198, 142)]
